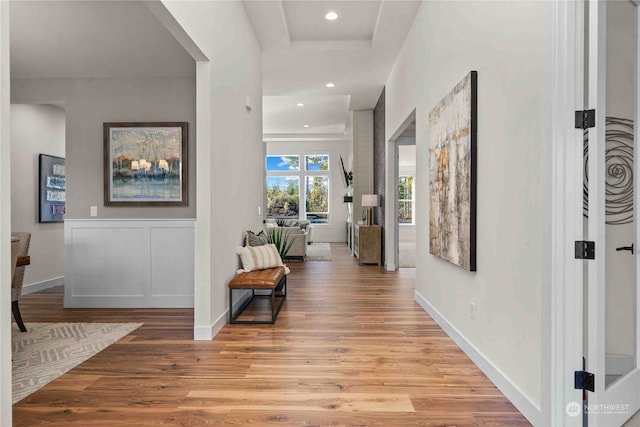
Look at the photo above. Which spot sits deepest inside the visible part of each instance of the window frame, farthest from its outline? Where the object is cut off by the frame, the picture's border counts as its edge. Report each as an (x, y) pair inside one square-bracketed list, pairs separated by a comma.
[(412, 201), (302, 174)]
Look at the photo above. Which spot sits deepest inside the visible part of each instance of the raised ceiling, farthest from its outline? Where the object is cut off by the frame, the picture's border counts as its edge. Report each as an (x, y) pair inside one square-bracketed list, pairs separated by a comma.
[(302, 51)]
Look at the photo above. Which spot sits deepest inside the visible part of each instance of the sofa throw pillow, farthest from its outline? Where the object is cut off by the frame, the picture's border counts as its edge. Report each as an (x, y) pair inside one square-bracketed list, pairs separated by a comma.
[(253, 239), (259, 258)]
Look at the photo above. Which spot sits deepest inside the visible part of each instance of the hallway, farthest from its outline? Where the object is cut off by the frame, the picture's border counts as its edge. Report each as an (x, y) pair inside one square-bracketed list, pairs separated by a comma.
[(350, 347)]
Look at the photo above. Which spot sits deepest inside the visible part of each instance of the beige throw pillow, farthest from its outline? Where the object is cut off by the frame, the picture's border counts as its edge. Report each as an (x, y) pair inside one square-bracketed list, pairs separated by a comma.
[(259, 258)]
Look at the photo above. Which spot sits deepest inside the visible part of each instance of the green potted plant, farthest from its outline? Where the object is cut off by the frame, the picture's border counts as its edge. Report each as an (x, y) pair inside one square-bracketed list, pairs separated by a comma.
[(281, 239)]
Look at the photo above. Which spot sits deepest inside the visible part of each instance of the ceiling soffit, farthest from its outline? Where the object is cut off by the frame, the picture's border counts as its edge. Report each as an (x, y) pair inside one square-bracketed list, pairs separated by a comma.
[(302, 51)]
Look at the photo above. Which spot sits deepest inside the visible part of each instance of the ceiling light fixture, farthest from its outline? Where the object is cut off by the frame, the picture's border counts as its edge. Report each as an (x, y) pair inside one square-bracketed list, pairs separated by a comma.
[(300, 104), (330, 84), (306, 126), (331, 16)]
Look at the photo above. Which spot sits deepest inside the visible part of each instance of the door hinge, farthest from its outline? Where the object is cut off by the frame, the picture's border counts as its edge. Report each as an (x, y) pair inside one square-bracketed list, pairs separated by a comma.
[(585, 249), (584, 381), (585, 119)]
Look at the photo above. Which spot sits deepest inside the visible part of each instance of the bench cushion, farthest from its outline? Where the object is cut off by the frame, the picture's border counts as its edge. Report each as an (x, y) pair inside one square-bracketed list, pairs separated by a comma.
[(258, 279)]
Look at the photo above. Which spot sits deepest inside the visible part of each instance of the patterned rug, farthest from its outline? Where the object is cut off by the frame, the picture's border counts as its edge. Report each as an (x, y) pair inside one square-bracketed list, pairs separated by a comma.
[(48, 350), (319, 252)]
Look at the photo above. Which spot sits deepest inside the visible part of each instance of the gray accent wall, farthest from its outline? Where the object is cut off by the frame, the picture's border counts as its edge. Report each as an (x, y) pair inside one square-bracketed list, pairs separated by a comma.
[(36, 129), (378, 157), (379, 161), (88, 103)]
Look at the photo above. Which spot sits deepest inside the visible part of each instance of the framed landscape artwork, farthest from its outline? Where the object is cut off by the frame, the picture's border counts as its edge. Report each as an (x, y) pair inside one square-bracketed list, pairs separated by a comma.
[(452, 175), (145, 164), (52, 188)]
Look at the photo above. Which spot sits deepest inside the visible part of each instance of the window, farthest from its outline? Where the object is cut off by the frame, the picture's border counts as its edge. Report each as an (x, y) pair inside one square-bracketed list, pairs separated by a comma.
[(283, 197), (405, 199), (317, 199), (283, 163), (286, 198), (316, 163)]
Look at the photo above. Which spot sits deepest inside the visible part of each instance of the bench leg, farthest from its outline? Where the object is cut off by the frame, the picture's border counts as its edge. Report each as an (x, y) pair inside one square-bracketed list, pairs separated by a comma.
[(280, 287)]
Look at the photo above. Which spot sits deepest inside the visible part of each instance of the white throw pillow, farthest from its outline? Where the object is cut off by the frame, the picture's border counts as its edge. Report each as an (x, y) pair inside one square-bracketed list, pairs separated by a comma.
[(260, 258)]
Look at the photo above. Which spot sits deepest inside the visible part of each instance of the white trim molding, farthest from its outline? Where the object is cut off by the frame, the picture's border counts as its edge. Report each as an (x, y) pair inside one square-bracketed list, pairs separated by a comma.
[(207, 333), (511, 392), (562, 177), (40, 286), (141, 263)]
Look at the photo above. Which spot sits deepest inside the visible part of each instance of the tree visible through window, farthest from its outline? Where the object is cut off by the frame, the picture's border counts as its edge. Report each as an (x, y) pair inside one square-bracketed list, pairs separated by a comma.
[(284, 196), (317, 163), (317, 199), (405, 200)]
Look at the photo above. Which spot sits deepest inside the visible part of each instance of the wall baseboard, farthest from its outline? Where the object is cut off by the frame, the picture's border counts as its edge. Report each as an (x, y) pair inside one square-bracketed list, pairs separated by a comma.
[(207, 333), (40, 286), (530, 411), (389, 266)]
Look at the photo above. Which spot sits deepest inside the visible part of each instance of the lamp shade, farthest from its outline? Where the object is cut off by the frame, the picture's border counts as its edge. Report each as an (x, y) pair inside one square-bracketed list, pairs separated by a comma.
[(369, 200)]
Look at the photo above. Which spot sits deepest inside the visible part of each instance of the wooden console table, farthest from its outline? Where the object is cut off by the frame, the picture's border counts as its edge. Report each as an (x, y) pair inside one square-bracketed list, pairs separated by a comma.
[(367, 246)]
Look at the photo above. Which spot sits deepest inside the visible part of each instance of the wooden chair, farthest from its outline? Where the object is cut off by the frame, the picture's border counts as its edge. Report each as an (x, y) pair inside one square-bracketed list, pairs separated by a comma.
[(18, 277)]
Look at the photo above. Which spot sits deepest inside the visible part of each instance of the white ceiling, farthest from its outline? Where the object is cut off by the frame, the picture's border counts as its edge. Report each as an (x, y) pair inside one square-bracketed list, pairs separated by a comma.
[(92, 39), (302, 51), (407, 156)]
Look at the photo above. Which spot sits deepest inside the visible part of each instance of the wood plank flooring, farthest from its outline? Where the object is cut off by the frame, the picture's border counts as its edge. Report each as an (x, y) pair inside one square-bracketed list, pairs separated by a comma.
[(350, 348)]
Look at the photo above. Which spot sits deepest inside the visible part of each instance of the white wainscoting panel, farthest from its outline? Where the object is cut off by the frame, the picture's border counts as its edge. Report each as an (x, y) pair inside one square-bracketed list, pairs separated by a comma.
[(129, 263)]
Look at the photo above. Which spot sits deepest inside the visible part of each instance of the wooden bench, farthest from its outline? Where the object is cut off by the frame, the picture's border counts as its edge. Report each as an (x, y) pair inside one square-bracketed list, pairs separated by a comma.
[(271, 279)]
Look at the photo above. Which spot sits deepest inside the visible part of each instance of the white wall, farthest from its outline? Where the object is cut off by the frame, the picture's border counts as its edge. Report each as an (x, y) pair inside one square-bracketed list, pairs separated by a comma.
[(5, 220), (230, 147), (36, 129), (505, 42), (336, 230), (89, 102)]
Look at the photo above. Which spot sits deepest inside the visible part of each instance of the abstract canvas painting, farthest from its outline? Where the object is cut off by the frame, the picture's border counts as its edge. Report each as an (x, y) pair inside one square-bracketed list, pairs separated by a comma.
[(452, 175), (145, 164), (52, 188)]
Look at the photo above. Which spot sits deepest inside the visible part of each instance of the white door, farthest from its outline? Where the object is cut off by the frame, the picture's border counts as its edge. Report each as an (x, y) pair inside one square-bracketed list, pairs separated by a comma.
[(613, 182)]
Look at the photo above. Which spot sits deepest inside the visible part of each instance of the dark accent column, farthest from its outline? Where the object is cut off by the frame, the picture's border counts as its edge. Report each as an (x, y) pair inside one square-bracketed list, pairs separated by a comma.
[(378, 161)]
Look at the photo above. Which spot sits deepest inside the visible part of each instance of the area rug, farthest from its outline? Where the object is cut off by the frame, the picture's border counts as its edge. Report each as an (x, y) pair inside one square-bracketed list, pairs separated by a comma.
[(319, 252), (48, 350)]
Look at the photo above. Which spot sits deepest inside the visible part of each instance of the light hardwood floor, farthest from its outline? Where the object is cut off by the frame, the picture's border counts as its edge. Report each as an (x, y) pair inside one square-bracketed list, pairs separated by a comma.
[(350, 348)]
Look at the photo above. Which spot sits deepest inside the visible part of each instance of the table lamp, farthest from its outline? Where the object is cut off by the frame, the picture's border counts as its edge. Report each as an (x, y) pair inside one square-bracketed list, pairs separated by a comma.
[(369, 201)]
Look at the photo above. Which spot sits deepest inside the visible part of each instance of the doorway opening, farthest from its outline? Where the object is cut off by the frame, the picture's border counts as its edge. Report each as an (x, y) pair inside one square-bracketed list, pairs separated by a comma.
[(405, 195)]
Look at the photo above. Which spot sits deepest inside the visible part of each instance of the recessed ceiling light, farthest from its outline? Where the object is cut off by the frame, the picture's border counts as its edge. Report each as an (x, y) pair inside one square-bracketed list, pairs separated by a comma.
[(306, 126), (300, 104), (330, 84), (331, 16)]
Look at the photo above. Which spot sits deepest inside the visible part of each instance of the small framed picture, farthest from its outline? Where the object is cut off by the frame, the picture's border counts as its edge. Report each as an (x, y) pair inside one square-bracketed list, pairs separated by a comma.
[(52, 188)]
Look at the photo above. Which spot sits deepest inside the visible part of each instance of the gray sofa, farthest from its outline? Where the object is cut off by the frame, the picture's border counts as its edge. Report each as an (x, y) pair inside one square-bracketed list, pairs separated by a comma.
[(299, 247)]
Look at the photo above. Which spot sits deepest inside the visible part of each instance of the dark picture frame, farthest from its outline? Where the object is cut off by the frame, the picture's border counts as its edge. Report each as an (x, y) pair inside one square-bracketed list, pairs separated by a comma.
[(51, 188), (453, 129), (145, 164)]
